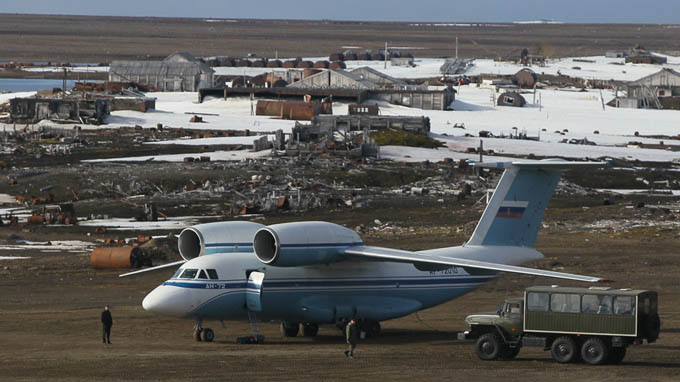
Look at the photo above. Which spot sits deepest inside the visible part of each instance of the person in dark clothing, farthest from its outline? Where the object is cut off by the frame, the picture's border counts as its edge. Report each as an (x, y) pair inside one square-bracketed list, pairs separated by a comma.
[(107, 322), (352, 337)]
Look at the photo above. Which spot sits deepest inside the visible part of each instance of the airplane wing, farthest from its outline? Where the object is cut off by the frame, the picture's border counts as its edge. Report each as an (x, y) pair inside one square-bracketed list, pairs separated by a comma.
[(389, 254), (168, 265)]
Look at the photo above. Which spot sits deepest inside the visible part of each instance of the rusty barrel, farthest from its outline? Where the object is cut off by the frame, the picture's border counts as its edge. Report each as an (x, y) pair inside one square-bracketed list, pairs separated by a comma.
[(115, 257)]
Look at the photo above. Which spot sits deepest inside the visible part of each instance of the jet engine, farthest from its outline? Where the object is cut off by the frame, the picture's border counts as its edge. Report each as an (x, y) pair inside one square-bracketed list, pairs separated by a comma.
[(303, 243), (221, 237)]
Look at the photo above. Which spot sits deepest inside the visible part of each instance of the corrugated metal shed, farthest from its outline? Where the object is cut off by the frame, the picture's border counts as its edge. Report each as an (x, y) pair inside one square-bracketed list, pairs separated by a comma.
[(336, 79), (178, 72)]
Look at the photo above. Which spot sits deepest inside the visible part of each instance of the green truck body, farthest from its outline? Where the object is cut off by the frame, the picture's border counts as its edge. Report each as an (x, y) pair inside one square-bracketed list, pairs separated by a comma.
[(594, 324)]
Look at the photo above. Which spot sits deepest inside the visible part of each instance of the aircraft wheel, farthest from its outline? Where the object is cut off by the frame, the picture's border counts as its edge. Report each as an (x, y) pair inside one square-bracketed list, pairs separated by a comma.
[(207, 335), (373, 328), (289, 329), (310, 330), (488, 346), (594, 351)]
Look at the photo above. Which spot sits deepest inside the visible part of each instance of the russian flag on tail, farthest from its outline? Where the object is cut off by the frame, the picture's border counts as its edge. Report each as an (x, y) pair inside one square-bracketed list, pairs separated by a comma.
[(511, 209)]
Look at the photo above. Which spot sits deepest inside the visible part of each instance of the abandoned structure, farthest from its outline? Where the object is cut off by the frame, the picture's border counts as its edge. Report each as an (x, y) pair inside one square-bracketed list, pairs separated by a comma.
[(335, 79), (379, 78), (178, 72), (660, 90), (68, 110), (357, 86), (640, 55), (402, 61), (349, 123), (511, 99)]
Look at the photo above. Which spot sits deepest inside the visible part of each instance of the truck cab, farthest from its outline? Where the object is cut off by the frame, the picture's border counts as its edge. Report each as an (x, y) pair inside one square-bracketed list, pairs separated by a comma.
[(594, 324)]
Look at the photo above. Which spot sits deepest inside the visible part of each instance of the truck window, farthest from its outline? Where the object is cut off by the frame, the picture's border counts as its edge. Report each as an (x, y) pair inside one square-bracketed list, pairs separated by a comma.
[(624, 305), (596, 304), (565, 303), (537, 302)]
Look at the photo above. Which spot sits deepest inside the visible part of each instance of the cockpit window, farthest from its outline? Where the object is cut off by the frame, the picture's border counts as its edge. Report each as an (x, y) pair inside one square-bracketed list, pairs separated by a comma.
[(189, 274), (213, 274), (201, 275), (176, 275)]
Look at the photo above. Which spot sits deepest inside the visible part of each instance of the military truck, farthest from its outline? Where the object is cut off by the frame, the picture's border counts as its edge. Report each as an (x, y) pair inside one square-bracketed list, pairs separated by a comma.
[(593, 324)]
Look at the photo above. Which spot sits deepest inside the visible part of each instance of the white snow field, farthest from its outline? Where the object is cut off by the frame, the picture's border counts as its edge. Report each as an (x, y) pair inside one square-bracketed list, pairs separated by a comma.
[(553, 115)]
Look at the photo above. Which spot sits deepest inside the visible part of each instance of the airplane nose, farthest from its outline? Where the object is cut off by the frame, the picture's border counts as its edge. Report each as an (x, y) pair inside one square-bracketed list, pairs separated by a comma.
[(151, 301), (165, 300)]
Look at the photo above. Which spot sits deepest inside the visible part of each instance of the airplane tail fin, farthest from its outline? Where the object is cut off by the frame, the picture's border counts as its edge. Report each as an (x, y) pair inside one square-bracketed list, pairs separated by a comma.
[(515, 211)]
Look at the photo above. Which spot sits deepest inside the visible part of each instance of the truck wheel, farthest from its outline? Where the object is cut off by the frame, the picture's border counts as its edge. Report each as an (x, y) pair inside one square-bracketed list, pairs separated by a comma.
[(488, 346), (594, 351), (564, 350), (510, 353), (616, 355)]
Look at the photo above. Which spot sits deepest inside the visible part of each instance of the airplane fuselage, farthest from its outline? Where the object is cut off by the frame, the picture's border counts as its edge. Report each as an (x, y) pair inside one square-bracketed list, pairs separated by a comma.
[(318, 294)]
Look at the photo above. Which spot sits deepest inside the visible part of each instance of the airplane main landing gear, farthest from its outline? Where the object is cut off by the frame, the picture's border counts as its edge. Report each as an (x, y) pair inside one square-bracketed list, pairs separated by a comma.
[(290, 329), (310, 330)]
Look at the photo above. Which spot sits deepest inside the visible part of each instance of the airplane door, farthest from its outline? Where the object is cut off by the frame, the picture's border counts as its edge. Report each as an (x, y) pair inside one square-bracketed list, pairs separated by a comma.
[(254, 291)]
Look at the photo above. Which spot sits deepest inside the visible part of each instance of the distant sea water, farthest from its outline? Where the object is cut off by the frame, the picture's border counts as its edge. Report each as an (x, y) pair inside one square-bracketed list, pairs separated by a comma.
[(16, 85)]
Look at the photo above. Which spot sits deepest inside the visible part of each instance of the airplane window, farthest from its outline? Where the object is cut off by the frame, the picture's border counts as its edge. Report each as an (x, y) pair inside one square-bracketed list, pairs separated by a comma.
[(537, 302), (176, 275), (189, 274), (201, 275), (213, 274)]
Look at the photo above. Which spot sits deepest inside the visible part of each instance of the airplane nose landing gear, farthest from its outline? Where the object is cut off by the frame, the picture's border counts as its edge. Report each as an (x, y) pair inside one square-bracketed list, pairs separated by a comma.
[(203, 334)]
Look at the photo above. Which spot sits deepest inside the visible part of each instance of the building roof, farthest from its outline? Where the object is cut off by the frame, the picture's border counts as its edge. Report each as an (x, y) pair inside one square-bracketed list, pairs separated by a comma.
[(664, 77), (156, 68), (358, 82), (181, 56), (385, 77)]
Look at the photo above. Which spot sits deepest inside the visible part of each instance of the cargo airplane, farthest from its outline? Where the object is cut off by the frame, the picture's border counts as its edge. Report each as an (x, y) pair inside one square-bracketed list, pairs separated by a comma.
[(309, 273)]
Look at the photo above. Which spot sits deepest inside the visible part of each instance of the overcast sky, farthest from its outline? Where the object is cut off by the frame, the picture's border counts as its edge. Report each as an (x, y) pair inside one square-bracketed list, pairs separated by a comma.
[(576, 11)]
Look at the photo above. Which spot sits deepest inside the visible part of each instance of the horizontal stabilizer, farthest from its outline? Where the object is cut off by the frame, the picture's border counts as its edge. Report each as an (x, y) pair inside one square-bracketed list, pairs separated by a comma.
[(168, 265), (388, 254)]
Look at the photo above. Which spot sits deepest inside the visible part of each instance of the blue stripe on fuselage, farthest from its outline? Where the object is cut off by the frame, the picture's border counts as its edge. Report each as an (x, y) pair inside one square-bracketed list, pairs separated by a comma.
[(330, 283)]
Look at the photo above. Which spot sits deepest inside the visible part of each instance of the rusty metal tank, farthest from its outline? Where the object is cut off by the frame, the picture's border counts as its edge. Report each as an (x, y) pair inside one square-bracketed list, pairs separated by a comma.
[(365, 56), (293, 110), (274, 64), (321, 65), (336, 57), (337, 65), (115, 257), (305, 64), (289, 64), (350, 56), (309, 72)]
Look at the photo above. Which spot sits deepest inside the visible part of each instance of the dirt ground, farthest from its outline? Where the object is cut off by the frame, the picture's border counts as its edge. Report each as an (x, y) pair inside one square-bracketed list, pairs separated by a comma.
[(50, 305), (28, 38)]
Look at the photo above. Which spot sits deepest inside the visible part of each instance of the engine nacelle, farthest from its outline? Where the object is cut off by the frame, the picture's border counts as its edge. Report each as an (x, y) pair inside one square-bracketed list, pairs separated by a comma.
[(303, 243), (221, 237)]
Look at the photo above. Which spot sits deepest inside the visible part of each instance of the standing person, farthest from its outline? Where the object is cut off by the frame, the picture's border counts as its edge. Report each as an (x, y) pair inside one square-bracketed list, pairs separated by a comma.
[(352, 336), (107, 322)]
